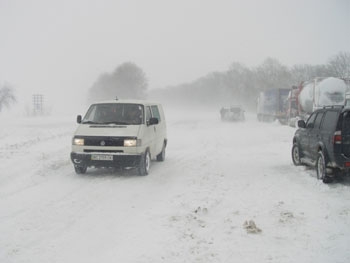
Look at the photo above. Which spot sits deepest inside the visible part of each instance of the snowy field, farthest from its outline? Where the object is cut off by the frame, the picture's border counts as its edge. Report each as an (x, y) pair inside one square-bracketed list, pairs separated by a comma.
[(193, 207)]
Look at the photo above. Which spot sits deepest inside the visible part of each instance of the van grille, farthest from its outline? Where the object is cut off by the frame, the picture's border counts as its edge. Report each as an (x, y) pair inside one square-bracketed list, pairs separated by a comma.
[(103, 141), (103, 151)]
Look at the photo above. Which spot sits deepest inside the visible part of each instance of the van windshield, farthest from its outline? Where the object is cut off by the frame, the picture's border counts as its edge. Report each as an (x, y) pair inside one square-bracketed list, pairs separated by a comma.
[(115, 113)]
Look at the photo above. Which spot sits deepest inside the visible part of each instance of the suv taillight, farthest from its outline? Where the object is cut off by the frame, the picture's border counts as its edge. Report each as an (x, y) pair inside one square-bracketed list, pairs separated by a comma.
[(337, 137)]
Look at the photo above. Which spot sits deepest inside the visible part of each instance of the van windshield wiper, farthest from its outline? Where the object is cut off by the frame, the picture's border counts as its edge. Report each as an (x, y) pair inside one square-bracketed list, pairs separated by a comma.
[(114, 122), (90, 122)]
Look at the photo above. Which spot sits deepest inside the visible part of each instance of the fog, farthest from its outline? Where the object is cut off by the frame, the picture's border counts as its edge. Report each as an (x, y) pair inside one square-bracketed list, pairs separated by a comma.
[(60, 48)]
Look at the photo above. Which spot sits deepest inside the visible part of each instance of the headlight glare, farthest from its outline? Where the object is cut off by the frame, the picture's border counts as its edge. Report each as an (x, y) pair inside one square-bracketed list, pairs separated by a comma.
[(78, 141), (130, 142)]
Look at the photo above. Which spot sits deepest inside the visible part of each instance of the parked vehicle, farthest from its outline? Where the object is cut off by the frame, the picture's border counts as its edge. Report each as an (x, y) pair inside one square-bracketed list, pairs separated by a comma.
[(233, 113), (120, 133), (315, 94), (323, 141), (347, 99), (271, 105)]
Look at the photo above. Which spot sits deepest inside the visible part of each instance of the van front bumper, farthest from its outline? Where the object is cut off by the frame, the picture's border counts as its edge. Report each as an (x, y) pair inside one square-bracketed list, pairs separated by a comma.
[(105, 159)]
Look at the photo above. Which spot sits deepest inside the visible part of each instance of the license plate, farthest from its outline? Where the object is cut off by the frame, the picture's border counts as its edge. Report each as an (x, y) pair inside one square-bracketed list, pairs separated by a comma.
[(101, 157)]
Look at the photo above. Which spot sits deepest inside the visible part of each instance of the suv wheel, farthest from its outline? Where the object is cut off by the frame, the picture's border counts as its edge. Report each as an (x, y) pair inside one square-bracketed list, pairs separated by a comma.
[(145, 163), (321, 169), (296, 155)]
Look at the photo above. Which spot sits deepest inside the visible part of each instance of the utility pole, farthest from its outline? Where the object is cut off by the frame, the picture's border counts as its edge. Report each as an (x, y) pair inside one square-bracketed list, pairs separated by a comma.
[(38, 104)]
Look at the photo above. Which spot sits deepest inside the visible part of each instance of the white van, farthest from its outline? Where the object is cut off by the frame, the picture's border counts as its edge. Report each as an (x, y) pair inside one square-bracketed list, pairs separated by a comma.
[(120, 133)]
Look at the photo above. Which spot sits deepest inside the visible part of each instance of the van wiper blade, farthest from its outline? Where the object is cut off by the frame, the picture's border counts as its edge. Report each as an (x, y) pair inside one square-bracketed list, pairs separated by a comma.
[(90, 122), (115, 122)]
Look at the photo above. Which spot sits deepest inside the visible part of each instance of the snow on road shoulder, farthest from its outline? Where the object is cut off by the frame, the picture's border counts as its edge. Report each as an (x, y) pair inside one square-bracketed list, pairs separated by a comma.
[(237, 172), (31, 147)]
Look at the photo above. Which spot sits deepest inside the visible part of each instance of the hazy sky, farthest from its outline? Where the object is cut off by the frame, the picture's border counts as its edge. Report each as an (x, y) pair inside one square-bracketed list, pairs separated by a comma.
[(63, 46)]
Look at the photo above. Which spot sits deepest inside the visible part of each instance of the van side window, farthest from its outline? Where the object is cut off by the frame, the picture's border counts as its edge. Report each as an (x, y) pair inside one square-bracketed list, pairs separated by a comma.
[(148, 114), (155, 112)]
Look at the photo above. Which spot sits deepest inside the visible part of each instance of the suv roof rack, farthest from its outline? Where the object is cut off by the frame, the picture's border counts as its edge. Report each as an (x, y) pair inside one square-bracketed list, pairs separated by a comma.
[(333, 107)]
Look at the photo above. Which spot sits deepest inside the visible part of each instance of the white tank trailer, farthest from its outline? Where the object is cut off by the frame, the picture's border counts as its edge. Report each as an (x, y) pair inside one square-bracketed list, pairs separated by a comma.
[(322, 92), (315, 94)]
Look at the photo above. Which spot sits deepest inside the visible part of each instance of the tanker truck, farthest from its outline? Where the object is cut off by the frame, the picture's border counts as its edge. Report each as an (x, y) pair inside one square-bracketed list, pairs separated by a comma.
[(271, 105), (315, 94)]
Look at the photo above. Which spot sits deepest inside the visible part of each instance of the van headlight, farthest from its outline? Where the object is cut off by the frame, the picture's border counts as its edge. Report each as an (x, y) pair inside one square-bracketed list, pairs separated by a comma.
[(78, 141), (130, 142)]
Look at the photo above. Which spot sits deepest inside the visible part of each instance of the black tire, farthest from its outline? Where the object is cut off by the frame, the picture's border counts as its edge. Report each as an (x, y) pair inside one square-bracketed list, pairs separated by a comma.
[(327, 179), (145, 163), (321, 169), (80, 169), (161, 156), (296, 155)]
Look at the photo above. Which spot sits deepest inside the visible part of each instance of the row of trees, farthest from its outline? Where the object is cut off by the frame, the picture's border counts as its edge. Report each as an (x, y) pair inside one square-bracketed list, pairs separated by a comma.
[(238, 85), (241, 85)]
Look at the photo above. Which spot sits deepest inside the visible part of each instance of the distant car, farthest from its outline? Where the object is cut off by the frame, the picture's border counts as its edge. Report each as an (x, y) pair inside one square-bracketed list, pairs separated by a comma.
[(120, 133), (233, 113), (324, 142)]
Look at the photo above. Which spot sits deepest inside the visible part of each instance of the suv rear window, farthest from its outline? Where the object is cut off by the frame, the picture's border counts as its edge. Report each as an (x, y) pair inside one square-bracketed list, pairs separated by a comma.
[(346, 123), (330, 120)]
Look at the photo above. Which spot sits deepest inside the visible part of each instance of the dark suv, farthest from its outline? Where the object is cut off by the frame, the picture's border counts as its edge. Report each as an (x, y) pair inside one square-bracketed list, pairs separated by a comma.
[(324, 142)]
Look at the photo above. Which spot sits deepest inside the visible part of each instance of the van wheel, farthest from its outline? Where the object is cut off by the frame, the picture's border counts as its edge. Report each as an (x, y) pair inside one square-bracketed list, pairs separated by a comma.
[(296, 155), (161, 156), (80, 169), (321, 169), (145, 163)]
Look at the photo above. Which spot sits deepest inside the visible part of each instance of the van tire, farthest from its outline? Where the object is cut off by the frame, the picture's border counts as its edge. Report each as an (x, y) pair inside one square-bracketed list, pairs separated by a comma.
[(80, 169), (161, 156), (145, 164)]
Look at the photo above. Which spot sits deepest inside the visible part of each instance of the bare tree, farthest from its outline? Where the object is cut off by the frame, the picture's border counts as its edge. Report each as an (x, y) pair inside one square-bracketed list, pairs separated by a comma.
[(339, 65), (7, 97), (303, 72), (128, 81), (272, 74), (240, 83)]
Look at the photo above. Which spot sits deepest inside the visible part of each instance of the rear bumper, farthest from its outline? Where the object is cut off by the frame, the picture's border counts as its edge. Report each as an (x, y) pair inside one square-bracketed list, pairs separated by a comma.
[(341, 161), (117, 160)]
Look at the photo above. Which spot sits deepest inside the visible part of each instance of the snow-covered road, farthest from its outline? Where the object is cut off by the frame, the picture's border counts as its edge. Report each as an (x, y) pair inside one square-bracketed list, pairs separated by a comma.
[(190, 208)]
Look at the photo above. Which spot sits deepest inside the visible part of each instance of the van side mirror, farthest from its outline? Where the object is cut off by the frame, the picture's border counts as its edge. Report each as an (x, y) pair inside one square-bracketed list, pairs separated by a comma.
[(301, 124), (79, 119), (153, 121)]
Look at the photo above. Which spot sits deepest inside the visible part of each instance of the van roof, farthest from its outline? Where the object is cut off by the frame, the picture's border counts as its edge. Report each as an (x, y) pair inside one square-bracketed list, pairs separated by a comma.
[(126, 101)]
